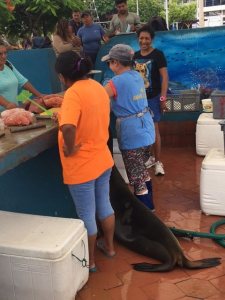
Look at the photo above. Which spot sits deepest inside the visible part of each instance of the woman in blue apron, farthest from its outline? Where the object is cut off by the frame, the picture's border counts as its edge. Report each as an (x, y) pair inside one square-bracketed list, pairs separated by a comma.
[(134, 124)]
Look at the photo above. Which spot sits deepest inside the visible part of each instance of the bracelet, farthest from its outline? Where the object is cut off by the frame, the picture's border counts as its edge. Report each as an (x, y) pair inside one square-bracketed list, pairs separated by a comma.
[(162, 98)]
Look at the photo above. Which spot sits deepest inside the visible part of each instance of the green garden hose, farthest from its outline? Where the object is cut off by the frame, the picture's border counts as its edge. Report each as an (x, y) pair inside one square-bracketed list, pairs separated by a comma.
[(218, 238)]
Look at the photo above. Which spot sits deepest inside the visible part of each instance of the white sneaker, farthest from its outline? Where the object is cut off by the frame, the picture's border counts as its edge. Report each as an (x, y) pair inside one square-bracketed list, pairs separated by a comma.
[(150, 162), (159, 170)]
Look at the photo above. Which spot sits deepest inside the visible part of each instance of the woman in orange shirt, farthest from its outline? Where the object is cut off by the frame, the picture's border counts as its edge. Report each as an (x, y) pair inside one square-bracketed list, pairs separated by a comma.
[(85, 156)]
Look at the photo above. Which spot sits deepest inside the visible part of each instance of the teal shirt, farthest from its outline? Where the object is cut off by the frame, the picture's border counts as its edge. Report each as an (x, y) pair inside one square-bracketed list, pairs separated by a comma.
[(11, 81)]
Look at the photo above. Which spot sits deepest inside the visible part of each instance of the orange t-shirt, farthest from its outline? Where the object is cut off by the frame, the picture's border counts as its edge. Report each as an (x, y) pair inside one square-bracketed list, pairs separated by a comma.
[(86, 105)]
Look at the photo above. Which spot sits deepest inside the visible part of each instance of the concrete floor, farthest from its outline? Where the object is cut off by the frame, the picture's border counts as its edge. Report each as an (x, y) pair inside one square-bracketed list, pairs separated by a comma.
[(176, 197)]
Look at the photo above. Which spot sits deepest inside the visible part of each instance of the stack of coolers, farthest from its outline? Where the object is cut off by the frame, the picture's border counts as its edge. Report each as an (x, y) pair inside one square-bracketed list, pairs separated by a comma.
[(212, 191), (208, 134), (42, 258)]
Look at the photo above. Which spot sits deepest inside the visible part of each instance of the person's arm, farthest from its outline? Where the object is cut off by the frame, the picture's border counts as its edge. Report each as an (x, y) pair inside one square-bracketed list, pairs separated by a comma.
[(76, 42), (60, 94), (104, 36), (111, 31), (69, 133), (164, 87), (137, 22), (69, 137), (68, 120), (7, 104), (110, 89), (29, 87), (79, 35)]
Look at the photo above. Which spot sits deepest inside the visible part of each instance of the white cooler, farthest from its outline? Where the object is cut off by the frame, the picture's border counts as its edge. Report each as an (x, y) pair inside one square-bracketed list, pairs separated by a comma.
[(36, 257), (212, 179), (208, 134)]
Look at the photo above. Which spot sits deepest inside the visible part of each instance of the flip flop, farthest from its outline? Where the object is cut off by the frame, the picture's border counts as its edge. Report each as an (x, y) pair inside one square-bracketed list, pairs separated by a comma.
[(93, 269), (101, 246)]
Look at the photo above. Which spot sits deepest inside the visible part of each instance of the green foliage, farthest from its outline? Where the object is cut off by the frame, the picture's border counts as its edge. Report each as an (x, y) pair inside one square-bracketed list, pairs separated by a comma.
[(105, 6), (5, 16), (38, 14), (147, 8), (182, 13), (43, 14), (151, 8)]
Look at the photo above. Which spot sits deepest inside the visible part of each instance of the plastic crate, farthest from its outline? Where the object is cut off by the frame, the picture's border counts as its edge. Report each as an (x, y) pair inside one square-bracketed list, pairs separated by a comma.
[(218, 99), (186, 100)]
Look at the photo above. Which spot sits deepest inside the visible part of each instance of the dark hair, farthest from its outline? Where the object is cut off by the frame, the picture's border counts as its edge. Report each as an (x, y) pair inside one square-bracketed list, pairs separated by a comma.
[(72, 66), (2, 43), (146, 28), (62, 29), (126, 63), (85, 13), (36, 32), (76, 11), (120, 1), (157, 23)]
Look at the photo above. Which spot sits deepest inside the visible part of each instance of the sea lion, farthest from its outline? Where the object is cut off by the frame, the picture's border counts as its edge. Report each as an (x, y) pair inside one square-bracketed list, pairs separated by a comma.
[(138, 229)]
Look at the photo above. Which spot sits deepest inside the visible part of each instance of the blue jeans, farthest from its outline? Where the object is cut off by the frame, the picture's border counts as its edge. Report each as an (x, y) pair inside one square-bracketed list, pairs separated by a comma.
[(154, 105), (91, 199)]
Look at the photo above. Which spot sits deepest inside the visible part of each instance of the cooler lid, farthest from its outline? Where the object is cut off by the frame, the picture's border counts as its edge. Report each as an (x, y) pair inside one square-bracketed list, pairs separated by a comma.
[(207, 119), (37, 236), (214, 160)]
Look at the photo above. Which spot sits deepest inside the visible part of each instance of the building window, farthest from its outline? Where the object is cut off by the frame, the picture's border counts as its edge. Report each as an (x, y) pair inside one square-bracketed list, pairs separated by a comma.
[(213, 2)]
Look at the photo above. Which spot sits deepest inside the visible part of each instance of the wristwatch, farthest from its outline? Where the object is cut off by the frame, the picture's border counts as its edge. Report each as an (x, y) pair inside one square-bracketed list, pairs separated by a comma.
[(162, 98)]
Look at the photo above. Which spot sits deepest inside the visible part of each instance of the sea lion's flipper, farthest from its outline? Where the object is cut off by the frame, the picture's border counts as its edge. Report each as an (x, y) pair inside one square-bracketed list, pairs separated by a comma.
[(198, 264), (201, 264), (147, 267), (154, 250)]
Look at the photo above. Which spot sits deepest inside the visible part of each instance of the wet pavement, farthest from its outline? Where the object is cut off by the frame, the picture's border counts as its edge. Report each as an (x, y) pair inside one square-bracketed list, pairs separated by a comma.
[(176, 197)]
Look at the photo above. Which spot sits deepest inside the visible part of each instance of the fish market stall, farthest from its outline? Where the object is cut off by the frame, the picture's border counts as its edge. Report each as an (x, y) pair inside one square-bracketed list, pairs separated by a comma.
[(30, 172)]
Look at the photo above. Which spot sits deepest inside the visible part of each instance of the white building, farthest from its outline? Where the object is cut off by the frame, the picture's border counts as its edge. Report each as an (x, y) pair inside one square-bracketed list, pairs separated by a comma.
[(214, 11)]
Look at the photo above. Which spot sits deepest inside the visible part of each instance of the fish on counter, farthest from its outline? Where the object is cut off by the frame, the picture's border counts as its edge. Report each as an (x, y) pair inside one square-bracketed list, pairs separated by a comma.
[(17, 117), (52, 101), (20, 119), (48, 101)]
